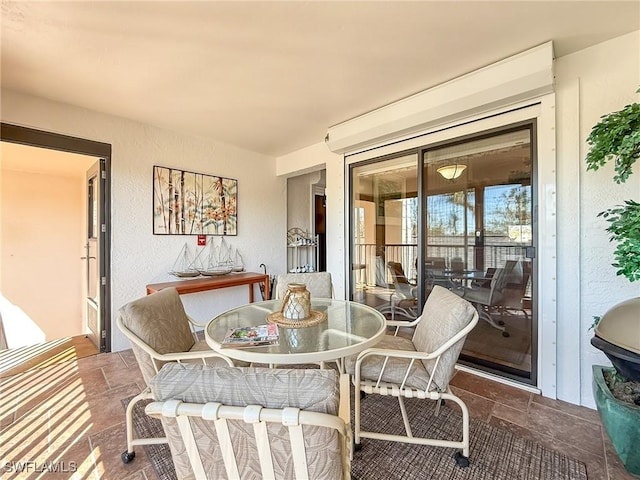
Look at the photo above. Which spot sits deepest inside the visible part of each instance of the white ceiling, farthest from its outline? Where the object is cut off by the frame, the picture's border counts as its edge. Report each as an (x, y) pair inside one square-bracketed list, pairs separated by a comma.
[(272, 76)]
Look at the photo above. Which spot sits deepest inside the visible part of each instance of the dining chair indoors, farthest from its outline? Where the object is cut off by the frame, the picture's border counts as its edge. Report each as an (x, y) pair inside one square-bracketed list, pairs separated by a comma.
[(515, 292), (160, 332), (403, 300), (254, 423), (418, 368), (318, 283), (491, 299), (434, 270)]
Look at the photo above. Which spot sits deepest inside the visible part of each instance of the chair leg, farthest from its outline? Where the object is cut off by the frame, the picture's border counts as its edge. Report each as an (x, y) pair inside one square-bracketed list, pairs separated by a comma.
[(465, 426), (356, 411), (129, 454), (486, 316), (405, 418), (340, 365), (393, 309)]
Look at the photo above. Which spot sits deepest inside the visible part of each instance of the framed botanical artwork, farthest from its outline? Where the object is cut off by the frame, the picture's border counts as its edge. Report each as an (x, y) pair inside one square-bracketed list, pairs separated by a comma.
[(188, 203)]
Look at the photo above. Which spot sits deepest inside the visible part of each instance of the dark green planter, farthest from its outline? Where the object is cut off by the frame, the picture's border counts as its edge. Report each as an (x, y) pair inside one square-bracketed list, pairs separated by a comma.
[(621, 420)]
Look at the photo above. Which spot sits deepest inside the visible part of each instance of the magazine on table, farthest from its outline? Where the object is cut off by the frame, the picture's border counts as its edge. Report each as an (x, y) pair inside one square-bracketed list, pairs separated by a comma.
[(251, 336)]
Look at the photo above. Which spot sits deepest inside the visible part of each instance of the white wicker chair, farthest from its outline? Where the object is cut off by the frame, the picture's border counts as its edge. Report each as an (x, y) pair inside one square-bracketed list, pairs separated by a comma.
[(160, 332), (254, 422), (418, 368)]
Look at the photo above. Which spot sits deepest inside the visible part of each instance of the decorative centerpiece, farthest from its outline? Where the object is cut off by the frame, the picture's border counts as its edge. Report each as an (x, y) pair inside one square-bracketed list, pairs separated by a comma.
[(296, 308)]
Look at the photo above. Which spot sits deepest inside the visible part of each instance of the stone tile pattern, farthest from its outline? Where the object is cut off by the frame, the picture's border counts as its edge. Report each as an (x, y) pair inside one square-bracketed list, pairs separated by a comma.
[(71, 414), (573, 430)]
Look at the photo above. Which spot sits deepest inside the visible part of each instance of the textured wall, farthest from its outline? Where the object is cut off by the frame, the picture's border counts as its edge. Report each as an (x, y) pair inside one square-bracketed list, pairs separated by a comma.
[(138, 257), (589, 84)]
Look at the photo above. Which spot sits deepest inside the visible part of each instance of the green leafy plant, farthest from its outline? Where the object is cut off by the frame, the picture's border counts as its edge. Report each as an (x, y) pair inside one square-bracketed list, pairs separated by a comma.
[(624, 227), (617, 137)]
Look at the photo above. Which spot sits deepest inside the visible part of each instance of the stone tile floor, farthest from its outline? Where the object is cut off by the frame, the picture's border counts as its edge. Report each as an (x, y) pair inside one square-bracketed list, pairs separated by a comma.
[(69, 416)]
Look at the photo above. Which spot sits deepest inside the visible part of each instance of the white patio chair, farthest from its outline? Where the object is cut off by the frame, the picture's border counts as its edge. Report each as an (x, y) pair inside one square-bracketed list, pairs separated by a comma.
[(159, 331), (318, 283), (420, 367), (403, 300), (254, 423), (492, 298)]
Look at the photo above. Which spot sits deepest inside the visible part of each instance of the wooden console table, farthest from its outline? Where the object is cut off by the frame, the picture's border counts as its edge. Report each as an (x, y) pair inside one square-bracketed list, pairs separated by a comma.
[(201, 284)]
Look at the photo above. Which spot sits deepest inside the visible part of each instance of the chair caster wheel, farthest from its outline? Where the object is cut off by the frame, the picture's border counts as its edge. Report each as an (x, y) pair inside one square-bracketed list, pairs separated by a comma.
[(127, 456), (362, 395), (461, 460), (505, 334), (501, 322), (357, 447)]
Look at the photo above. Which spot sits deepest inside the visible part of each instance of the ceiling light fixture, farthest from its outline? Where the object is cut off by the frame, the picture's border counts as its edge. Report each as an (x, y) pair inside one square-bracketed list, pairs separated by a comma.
[(451, 171)]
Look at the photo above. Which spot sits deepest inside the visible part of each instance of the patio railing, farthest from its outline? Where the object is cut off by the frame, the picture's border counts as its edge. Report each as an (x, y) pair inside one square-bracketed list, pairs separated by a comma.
[(369, 260)]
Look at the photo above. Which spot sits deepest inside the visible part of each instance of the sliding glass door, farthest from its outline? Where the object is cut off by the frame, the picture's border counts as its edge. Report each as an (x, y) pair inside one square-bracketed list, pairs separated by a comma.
[(459, 215), (384, 234), (478, 218)]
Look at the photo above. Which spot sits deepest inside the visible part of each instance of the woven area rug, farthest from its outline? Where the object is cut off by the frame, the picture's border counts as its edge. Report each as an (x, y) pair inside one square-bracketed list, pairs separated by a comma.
[(496, 454)]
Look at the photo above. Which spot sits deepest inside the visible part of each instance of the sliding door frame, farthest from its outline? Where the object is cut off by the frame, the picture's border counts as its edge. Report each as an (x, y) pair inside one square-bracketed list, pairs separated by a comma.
[(541, 111), (531, 126)]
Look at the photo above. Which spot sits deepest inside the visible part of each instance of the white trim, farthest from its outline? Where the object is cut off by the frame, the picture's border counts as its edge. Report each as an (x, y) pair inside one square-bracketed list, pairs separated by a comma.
[(513, 114), (547, 247), (315, 190), (570, 244), (495, 378), (518, 78)]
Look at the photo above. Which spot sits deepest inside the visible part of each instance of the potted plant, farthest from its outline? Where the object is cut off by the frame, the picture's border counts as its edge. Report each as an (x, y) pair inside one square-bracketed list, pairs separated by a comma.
[(617, 137)]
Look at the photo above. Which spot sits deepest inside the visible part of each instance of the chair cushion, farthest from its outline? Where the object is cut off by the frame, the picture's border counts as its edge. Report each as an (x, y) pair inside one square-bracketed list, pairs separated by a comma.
[(395, 368), (310, 389), (318, 283), (159, 320), (443, 316), (315, 390)]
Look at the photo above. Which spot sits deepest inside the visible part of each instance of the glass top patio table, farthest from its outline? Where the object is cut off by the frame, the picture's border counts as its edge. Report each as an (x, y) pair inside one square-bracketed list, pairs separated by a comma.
[(463, 274), (349, 328)]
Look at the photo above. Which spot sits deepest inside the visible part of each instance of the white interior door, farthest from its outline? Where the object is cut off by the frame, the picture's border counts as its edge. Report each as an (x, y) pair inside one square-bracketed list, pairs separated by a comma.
[(95, 280)]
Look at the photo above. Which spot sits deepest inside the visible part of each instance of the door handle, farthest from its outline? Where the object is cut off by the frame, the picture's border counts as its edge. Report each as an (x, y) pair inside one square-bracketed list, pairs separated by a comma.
[(84, 258)]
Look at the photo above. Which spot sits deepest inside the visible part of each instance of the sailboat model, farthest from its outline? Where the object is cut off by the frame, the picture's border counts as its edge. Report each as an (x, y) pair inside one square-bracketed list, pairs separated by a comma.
[(184, 266), (217, 263), (238, 263)]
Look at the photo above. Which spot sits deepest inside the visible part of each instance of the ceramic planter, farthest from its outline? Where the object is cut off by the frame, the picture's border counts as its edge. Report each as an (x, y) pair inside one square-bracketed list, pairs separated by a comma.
[(621, 421)]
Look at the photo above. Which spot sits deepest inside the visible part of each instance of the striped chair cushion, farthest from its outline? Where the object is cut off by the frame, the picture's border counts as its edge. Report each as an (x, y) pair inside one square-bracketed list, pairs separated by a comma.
[(315, 390), (395, 369)]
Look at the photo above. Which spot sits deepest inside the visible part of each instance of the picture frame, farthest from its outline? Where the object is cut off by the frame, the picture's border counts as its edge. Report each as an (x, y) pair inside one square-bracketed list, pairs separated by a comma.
[(189, 203)]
